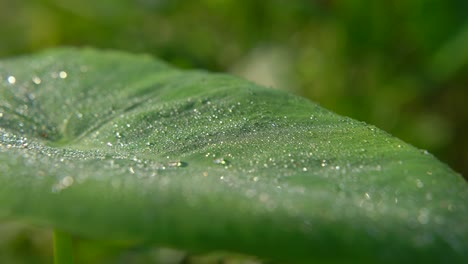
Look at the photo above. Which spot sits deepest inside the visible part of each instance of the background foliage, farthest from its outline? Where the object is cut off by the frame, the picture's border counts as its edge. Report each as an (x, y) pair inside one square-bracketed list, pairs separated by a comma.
[(400, 65)]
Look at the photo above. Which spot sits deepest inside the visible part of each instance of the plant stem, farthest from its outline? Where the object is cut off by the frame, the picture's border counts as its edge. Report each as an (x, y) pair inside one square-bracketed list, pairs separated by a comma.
[(63, 248)]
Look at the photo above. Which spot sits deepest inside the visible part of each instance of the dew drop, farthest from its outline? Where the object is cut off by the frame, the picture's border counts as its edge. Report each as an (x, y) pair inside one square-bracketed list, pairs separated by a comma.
[(419, 183), (423, 216), (11, 79), (130, 169), (176, 164), (221, 161), (63, 74), (109, 144), (66, 182), (324, 163), (36, 80)]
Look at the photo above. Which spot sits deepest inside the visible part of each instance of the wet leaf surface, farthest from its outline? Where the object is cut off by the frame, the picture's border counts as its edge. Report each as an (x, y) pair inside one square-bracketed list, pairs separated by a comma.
[(112, 146)]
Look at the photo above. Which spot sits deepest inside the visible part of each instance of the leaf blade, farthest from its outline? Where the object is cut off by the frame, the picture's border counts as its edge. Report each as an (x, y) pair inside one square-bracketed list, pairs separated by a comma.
[(207, 162)]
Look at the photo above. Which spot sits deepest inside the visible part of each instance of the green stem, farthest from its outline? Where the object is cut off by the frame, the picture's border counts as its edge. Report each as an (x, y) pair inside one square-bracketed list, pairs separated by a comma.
[(63, 248)]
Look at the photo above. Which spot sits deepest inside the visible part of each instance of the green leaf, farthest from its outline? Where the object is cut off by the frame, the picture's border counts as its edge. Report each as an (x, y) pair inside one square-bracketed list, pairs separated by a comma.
[(112, 146)]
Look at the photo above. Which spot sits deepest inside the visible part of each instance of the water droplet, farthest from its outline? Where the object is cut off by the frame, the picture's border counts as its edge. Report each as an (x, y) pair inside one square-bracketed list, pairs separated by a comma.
[(1, 114), (109, 144), (324, 163), (176, 164), (221, 161), (36, 80), (367, 196), (419, 183), (66, 182), (304, 169), (11, 79), (423, 216), (63, 74), (130, 169)]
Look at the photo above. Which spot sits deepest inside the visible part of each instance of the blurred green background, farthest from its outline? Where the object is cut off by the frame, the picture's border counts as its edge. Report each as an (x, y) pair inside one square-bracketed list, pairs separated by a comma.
[(401, 65)]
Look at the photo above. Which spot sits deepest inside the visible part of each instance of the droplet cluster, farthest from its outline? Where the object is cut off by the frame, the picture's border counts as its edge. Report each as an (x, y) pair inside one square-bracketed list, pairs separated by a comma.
[(166, 137)]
